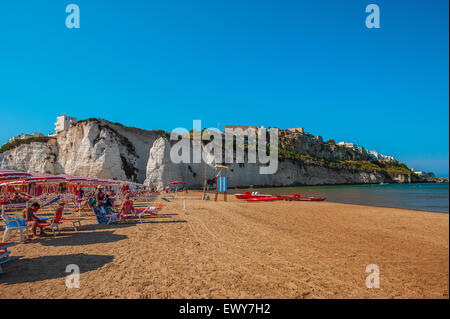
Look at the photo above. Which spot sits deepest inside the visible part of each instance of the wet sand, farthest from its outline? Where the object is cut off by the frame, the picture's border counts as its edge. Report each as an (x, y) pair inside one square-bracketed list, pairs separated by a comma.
[(237, 249)]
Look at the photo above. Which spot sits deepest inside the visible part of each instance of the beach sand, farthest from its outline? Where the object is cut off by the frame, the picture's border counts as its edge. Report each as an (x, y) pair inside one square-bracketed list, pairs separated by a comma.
[(237, 249)]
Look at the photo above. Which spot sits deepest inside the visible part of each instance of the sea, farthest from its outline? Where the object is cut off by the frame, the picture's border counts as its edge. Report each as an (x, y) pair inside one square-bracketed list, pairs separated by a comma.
[(432, 197)]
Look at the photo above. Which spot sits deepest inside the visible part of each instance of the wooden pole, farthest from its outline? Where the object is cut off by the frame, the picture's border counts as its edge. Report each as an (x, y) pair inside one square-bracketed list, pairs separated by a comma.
[(217, 190), (204, 184)]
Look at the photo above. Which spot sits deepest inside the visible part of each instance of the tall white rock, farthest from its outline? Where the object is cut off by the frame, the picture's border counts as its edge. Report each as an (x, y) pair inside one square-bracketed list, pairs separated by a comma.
[(160, 168)]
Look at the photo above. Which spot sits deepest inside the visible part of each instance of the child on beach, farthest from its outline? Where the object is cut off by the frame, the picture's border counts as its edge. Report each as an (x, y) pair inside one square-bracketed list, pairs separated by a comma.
[(127, 207)]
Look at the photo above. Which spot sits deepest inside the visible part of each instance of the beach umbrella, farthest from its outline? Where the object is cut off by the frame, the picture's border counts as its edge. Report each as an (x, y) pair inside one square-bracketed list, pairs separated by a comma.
[(44, 178), (8, 175), (92, 180), (73, 179), (176, 182)]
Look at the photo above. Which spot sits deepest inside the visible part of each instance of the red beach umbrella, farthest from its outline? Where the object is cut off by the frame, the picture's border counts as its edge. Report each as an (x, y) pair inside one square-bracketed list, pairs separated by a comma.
[(44, 178), (8, 175), (73, 179)]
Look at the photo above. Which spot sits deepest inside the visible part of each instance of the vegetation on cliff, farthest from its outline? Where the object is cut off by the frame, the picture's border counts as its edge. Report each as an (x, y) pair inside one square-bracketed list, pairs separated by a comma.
[(12, 145), (391, 168)]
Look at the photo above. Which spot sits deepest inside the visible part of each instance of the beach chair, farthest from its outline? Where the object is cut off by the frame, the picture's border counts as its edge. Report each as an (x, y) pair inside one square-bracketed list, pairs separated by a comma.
[(4, 254), (102, 216), (74, 221), (51, 202), (13, 225), (138, 214), (54, 223), (149, 210), (12, 207)]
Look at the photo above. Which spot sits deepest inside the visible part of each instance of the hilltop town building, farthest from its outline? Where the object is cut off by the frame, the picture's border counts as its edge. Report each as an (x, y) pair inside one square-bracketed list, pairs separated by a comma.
[(373, 154), (296, 130), (25, 136), (349, 145), (63, 122), (422, 173)]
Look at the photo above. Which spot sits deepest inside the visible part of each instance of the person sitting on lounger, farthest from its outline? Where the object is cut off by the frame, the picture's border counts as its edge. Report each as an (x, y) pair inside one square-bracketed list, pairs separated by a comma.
[(127, 207), (32, 219), (107, 200), (98, 196)]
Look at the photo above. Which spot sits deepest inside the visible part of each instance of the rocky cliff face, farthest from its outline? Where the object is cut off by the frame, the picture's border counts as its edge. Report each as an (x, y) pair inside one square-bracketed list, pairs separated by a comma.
[(161, 170), (34, 157), (98, 148), (94, 148)]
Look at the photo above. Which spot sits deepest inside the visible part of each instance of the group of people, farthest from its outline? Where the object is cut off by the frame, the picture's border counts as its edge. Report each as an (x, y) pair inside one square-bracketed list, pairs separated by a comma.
[(15, 198), (102, 205), (100, 201)]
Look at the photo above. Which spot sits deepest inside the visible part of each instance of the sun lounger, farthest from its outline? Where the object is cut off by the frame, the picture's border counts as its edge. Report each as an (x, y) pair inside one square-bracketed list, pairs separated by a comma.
[(102, 216), (151, 210), (54, 223), (13, 224), (137, 213), (49, 203), (4, 254), (140, 212), (14, 206)]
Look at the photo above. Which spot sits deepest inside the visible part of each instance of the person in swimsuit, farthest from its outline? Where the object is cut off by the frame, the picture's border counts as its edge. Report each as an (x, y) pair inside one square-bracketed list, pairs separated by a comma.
[(32, 219), (127, 207)]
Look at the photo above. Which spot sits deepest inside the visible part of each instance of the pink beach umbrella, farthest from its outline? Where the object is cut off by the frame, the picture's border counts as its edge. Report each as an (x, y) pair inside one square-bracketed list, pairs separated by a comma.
[(73, 179), (8, 175), (92, 181), (44, 178)]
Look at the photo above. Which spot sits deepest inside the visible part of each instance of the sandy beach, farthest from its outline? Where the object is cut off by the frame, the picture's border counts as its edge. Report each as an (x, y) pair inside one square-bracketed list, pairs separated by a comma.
[(237, 249)]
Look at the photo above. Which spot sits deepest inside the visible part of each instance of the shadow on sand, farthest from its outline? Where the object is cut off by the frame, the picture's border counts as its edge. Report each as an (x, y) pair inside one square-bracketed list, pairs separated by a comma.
[(149, 221), (22, 270), (81, 238)]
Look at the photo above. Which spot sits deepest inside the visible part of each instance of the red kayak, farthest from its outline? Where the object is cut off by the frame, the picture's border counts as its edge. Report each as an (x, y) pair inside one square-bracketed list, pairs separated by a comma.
[(257, 197), (248, 195), (264, 199)]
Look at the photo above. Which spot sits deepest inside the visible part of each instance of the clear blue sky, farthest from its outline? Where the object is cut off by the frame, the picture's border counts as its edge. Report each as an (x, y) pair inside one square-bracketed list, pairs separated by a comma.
[(161, 64)]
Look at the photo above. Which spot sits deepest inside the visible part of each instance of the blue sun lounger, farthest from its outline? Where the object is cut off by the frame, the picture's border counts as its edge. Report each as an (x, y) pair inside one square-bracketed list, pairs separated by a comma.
[(4, 254)]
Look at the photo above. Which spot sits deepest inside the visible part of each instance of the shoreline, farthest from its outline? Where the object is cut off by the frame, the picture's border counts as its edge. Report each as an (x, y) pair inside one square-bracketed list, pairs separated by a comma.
[(429, 197), (319, 185)]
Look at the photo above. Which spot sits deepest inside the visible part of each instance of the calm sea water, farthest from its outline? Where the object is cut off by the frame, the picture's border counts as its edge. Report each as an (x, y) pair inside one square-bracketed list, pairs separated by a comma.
[(425, 196)]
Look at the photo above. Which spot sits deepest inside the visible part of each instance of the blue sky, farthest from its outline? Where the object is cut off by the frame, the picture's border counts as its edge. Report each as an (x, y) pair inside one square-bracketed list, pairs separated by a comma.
[(162, 64)]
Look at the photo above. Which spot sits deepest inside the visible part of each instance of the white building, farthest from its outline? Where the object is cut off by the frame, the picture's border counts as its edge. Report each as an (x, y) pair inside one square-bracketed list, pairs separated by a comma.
[(374, 154), (349, 145), (63, 122)]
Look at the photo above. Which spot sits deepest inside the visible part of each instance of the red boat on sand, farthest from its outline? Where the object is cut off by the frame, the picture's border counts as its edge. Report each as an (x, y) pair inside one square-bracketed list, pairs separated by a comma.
[(257, 197), (264, 199), (248, 195)]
